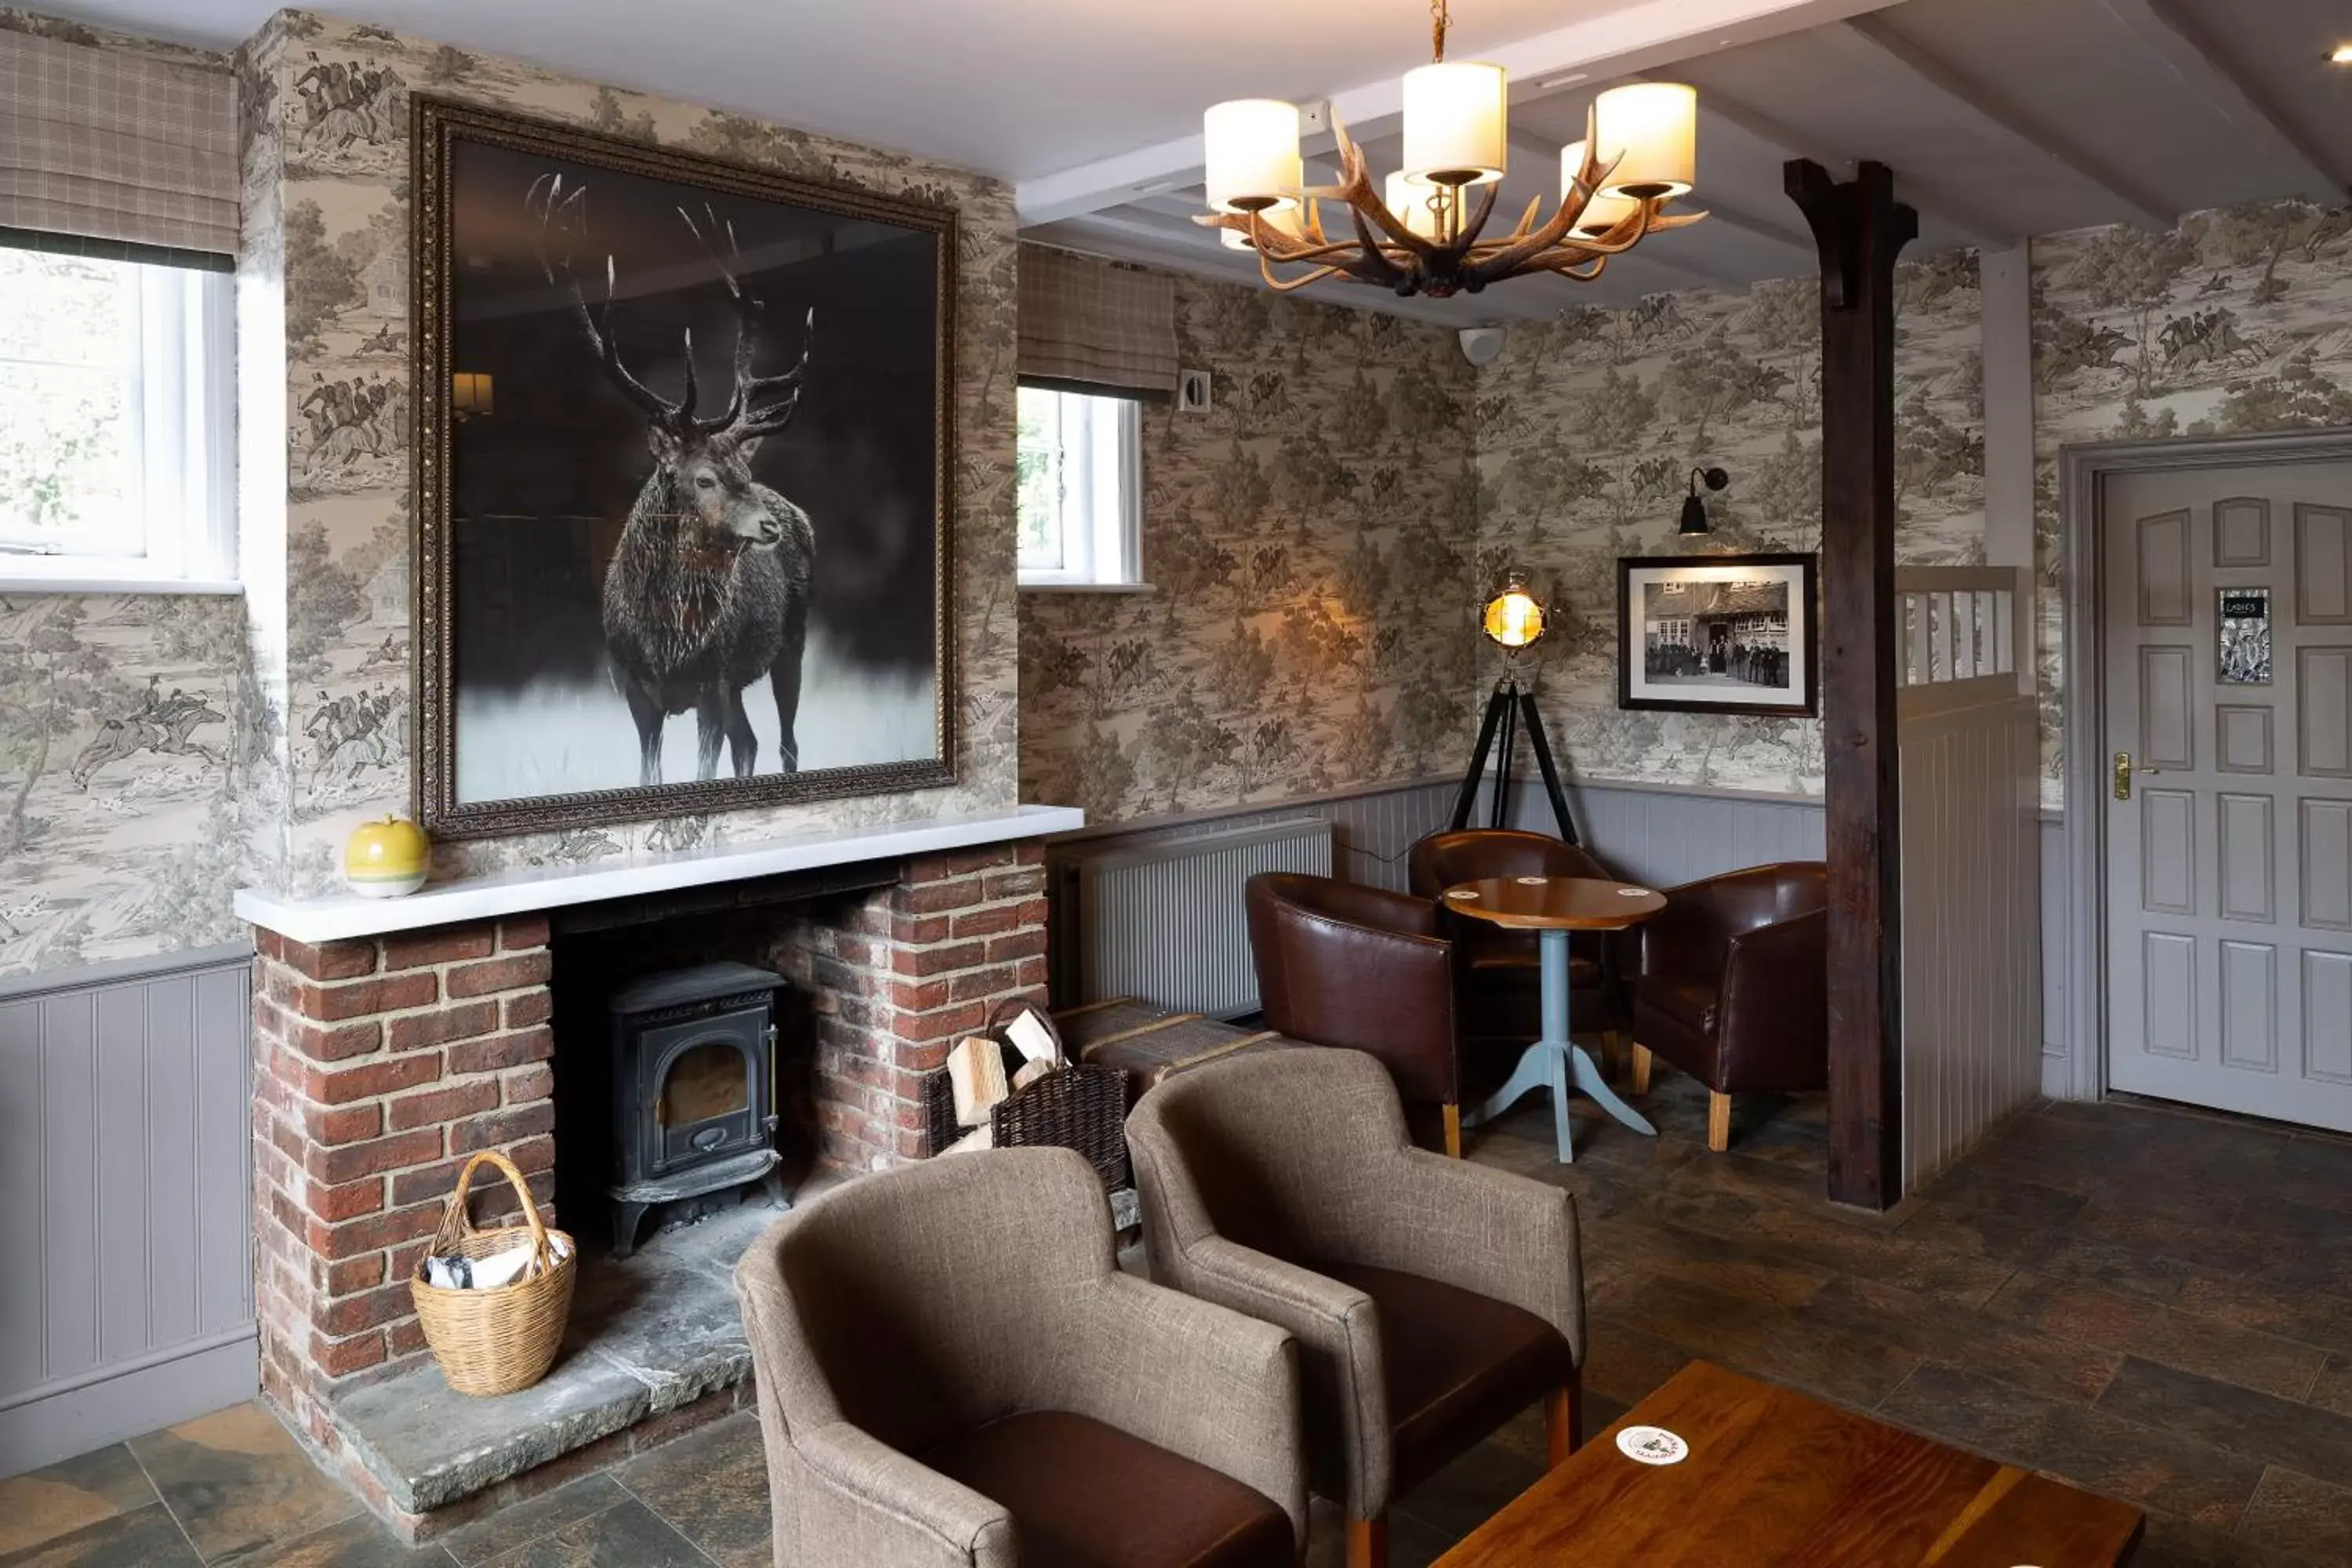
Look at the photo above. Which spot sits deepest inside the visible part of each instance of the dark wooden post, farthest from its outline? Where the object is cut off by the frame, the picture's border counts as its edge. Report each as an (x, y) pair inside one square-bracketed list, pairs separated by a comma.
[(1860, 229)]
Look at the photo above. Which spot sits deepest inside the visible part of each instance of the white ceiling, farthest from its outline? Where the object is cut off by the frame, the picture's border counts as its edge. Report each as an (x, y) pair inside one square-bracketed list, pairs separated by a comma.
[(1017, 88), (2001, 117)]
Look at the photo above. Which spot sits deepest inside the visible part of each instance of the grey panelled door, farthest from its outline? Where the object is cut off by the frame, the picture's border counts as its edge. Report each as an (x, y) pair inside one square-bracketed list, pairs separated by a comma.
[(2230, 865)]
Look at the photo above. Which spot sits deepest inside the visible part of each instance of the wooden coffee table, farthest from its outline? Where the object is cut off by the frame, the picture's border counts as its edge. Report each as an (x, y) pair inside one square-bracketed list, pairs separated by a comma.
[(1773, 1479), (1551, 907)]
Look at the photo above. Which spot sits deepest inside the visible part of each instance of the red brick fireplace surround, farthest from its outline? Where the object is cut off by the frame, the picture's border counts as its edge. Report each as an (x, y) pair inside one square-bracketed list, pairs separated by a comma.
[(383, 1060)]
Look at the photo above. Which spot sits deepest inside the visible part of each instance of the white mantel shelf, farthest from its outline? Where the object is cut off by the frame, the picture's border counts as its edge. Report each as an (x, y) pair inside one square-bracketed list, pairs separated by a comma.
[(540, 887)]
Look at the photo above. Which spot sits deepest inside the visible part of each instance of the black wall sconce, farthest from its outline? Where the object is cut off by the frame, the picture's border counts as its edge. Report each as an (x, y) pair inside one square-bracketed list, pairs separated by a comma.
[(1694, 509)]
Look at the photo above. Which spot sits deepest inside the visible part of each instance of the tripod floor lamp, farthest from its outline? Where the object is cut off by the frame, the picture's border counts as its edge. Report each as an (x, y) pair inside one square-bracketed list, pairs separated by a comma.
[(1514, 621)]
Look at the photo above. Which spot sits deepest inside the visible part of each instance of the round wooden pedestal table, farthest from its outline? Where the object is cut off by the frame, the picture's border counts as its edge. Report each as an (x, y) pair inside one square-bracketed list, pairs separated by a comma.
[(1553, 907)]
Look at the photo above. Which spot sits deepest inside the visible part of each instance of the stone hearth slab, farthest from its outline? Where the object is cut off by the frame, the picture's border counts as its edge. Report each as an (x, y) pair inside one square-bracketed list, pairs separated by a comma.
[(648, 1334)]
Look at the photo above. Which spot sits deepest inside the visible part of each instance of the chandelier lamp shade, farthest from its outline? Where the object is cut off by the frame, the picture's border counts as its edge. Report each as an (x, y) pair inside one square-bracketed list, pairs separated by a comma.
[(1423, 230), (1454, 120), (1253, 155)]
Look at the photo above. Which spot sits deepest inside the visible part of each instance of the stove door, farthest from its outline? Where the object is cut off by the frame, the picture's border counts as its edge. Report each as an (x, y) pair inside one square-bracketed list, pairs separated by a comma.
[(702, 1095)]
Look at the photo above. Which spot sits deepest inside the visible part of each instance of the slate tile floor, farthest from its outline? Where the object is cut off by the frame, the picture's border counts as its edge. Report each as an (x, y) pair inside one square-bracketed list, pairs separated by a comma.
[(2155, 1304)]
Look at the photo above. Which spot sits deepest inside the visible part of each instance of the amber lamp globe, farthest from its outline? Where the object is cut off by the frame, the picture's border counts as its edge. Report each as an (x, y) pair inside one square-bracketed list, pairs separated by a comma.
[(1514, 619)]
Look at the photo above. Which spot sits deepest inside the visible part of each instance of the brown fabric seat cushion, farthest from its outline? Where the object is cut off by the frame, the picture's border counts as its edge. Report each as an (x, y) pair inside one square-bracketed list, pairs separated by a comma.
[(1457, 1365), (1086, 1495)]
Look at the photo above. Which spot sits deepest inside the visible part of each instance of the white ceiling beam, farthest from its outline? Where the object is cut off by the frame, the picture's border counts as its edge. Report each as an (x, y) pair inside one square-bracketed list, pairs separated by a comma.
[(1644, 35), (1175, 204), (1919, 71), (1977, 229), (1748, 223), (1526, 145), (2204, 73), (1164, 229)]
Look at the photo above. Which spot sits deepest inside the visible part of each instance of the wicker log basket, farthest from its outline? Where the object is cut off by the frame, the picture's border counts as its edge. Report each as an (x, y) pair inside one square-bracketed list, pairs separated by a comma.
[(501, 1340), (1081, 1106)]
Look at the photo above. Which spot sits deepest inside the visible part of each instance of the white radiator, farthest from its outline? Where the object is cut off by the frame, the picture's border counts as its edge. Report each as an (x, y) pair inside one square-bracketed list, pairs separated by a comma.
[(1162, 919)]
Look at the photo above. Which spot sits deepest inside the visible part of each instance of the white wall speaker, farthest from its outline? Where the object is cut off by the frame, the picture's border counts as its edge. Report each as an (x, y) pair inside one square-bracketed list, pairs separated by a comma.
[(1481, 344)]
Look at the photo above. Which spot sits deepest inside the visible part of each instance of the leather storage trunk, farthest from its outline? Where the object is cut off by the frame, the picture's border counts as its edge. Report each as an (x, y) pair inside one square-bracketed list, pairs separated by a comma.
[(1149, 1043)]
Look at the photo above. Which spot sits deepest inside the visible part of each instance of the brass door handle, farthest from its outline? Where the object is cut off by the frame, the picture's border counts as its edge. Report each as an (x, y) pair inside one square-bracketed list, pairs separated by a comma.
[(2124, 774)]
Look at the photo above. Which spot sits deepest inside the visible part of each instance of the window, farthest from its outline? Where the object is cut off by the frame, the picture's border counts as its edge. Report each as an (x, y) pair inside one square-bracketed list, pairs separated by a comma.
[(1080, 469), (116, 434)]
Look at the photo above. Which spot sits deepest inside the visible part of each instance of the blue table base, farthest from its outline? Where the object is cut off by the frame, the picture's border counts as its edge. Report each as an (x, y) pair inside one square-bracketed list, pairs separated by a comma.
[(1558, 1063)]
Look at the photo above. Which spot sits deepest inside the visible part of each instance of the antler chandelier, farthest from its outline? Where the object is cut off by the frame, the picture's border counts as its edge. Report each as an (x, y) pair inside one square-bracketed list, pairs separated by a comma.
[(1424, 232)]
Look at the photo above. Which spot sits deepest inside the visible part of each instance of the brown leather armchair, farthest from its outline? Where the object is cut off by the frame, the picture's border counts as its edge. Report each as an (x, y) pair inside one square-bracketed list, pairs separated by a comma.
[(1734, 987), (1498, 986), (1362, 969)]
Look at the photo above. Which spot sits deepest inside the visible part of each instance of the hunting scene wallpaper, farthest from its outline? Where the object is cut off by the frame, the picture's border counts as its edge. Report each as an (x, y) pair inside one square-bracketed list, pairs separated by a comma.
[(1314, 575), (127, 747), (1318, 543), (326, 163), (1589, 427)]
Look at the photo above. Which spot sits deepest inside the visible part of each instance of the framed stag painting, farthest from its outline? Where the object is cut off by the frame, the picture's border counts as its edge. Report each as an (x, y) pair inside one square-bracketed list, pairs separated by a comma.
[(1717, 634), (683, 483)]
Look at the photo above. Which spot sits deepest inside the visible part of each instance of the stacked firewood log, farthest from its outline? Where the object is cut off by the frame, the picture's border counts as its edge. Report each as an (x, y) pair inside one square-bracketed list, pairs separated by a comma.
[(981, 1072)]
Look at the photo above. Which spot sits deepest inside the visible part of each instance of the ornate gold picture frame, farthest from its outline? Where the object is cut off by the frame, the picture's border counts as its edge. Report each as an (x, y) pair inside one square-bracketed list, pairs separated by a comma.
[(684, 490)]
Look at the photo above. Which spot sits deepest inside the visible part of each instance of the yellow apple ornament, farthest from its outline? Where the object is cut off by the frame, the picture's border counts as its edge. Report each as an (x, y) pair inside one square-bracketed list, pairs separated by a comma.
[(385, 860)]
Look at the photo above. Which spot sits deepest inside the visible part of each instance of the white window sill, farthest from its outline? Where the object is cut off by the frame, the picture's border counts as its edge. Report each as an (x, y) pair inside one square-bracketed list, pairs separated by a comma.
[(110, 582), (1029, 587)]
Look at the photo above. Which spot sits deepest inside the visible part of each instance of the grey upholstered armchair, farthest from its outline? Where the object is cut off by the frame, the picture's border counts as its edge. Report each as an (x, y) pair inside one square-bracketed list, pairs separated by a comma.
[(952, 1371), (1432, 1299)]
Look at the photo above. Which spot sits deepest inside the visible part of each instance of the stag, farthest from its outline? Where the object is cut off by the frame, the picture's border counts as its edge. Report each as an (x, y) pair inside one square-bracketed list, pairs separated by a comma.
[(709, 587)]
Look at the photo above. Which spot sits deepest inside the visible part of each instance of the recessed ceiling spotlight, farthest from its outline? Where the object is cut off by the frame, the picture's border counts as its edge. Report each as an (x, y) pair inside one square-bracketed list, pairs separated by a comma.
[(1570, 80), (2341, 55)]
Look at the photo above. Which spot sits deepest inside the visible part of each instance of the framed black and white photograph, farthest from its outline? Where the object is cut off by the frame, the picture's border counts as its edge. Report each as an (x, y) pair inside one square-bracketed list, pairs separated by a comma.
[(1717, 634), (683, 491)]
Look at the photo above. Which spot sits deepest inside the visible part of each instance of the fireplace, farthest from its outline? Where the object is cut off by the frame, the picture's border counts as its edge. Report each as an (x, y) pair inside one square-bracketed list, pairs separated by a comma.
[(395, 1038), (692, 1092)]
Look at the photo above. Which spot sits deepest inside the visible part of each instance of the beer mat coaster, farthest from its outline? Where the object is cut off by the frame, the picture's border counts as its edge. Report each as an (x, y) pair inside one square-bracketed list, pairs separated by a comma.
[(1652, 1446)]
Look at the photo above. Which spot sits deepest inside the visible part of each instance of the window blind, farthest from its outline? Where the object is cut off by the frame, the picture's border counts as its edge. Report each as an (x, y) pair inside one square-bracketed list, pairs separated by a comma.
[(1090, 323), (111, 145)]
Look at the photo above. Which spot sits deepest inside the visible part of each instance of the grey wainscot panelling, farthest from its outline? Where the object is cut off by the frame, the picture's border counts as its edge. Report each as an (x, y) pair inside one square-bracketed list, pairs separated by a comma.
[(1971, 949), (1370, 829), (1370, 832), (126, 1236), (2057, 903), (1666, 834), (1658, 833), (1655, 833)]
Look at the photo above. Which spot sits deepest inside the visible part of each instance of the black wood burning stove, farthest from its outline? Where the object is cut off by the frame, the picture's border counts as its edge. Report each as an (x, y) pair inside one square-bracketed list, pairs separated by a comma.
[(693, 1103)]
